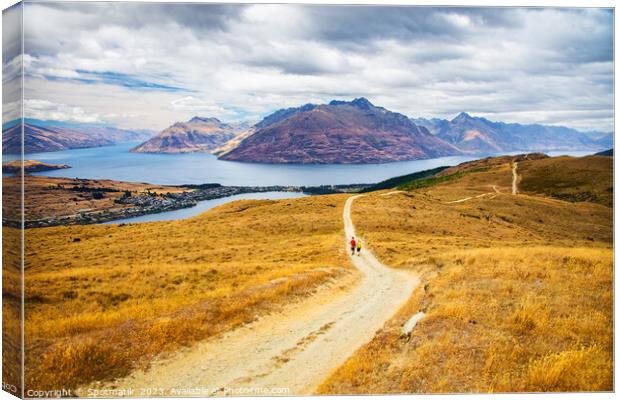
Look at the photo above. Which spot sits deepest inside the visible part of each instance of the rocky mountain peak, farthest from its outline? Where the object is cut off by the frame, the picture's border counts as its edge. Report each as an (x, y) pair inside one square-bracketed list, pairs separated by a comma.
[(360, 102), (462, 117), (197, 119)]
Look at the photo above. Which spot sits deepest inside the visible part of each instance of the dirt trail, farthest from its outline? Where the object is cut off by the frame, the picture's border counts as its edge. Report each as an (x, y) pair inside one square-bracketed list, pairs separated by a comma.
[(393, 192), (496, 191), (296, 349), (468, 198), (515, 177)]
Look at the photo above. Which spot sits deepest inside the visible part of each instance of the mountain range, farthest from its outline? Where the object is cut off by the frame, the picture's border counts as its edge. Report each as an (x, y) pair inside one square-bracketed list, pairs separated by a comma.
[(196, 135), (41, 137), (339, 132), (479, 135)]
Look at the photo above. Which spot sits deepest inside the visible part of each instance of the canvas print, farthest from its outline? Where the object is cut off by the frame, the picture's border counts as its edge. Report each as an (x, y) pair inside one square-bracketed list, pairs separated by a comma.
[(293, 199)]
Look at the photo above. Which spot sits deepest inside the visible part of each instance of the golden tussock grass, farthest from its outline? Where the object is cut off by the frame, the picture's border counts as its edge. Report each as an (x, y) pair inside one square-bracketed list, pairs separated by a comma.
[(517, 293), (102, 300), (591, 178), (11, 310), (533, 319), (414, 227)]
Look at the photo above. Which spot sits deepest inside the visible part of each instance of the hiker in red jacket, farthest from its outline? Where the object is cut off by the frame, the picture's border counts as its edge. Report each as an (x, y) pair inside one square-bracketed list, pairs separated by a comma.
[(353, 243)]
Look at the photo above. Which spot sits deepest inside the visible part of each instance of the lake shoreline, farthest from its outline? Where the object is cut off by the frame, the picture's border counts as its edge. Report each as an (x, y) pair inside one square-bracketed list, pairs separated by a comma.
[(130, 204), (92, 190)]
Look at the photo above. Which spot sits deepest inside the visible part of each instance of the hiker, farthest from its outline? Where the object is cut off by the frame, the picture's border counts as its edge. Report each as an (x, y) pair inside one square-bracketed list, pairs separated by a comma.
[(353, 245), (359, 247)]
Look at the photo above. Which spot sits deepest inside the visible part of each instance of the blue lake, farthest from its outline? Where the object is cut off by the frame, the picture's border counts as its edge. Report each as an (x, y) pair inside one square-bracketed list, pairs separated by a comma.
[(116, 162)]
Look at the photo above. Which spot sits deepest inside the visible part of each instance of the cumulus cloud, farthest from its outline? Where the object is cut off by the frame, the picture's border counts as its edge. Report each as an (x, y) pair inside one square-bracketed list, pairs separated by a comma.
[(47, 110), (148, 65), (11, 110), (199, 106)]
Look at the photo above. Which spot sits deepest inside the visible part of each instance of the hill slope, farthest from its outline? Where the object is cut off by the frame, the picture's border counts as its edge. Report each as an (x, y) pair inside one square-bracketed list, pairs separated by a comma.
[(338, 132), (195, 135), (517, 291), (606, 153), (570, 179), (215, 274)]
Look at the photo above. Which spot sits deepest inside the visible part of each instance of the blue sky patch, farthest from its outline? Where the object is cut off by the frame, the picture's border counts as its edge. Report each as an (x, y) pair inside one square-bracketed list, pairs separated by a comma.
[(120, 79)]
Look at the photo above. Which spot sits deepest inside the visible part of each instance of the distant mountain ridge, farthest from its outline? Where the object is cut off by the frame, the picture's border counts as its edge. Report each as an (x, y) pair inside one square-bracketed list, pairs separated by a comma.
[(199, 134), (116, 135), (46, 138), (339, 132), (607, 153), (43, 139), (479, 135)]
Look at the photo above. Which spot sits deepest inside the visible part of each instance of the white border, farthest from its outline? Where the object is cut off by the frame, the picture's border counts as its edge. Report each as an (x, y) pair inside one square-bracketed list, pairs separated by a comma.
[(493, 3)]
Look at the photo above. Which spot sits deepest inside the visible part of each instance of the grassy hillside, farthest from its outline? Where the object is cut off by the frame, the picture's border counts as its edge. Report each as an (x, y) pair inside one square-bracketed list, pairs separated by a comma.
[(435, 180), (439, 175), (571, 179), (104, 299), (517, 290), (11, 308), (492, 162), (11, 294), (404, 179)]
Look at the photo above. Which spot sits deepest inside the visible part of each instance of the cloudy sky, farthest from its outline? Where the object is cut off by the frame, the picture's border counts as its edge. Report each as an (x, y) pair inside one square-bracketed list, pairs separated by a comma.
[(148, 65)]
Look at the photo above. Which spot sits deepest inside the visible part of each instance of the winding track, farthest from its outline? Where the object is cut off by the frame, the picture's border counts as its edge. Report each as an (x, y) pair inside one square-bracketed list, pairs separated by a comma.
[(515, 177), (515, 189), (296, 349)]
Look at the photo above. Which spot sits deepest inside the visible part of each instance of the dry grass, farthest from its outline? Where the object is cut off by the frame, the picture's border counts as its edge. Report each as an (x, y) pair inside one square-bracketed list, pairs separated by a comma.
[(11, 295), (413, 228), (491, 162), (104, 299), (497, 320), (11, 310), (517, 291), (591, 178)]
